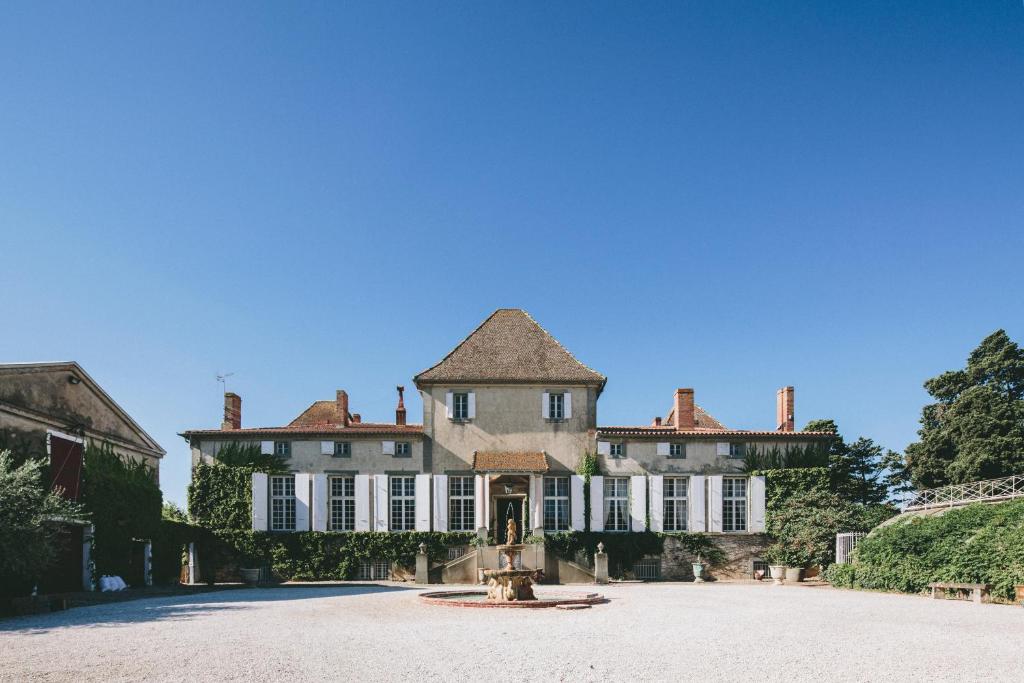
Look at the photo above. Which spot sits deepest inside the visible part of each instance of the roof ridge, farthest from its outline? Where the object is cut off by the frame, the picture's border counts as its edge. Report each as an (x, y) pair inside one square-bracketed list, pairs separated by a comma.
[(464, 340)]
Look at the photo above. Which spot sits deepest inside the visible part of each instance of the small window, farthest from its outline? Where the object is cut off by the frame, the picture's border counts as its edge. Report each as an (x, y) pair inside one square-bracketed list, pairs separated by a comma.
[(460, 406), (615, 450), (676, 450), (556, 406), (403, 449), (283, 448), (737, 450), (342, 449)]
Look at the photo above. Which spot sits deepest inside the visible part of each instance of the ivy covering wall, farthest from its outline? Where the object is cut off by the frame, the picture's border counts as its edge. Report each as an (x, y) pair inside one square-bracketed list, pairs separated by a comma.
[(220, 497), (980, 543)]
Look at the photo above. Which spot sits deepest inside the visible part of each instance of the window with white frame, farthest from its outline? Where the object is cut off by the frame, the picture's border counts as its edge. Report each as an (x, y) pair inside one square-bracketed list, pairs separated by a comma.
[(461, 504), (403, 449), (342, 503), (403, 503), (342, 449), (674, 494), (283, 448), (616, 504), (734, 504), (615, 450), (556, 406), (556, 503), (282, 503), (737, 450), (460, 406), (676, 450)]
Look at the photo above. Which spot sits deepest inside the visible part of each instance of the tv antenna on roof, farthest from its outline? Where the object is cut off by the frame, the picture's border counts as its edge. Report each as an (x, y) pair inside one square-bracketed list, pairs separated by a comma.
[(223, 379)]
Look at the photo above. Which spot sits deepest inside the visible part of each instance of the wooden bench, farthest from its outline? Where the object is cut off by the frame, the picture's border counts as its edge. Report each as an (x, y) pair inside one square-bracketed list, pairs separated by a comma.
[(979, 591)]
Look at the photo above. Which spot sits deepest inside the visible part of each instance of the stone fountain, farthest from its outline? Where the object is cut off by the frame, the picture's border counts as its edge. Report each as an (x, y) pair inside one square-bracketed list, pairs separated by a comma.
[(510, 584)]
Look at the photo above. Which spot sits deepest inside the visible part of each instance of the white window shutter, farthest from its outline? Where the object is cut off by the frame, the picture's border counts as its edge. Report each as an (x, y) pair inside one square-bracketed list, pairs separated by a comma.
[(696, 516), (715, 502), (387, 447), (472, 404), (757, 506), (723, 449), (638, 503), (259, 501), (567, 404), (266, 447), (545, 405), (576, 503), (604, 448), (380, 499), (303, 482), (326, 448), (320, 501), (449, 405), (422, 502), (362, 482), (597, 503), (478, 501), (440, 502), (657, 502), (663, 448), (536, 505)]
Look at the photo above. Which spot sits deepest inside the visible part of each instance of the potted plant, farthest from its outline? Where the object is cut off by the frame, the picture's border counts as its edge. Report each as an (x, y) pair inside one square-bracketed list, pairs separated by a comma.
[(698, 569), (774, 555)]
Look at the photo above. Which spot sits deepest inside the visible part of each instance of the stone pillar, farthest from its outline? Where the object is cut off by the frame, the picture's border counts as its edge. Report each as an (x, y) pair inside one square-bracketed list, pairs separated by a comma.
[(87, 566), (147, 563), (539, 555), (422, 565), (535, 500), (193, 563), (600, 565)]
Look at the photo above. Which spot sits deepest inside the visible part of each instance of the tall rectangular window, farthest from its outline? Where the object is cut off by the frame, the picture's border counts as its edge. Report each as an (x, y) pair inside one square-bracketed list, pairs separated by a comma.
[(283, 448), (282, 503), (342, 504), (616, 504), (556, 406), (674, 493), (403, 503), (734, 504), (460, 406), (556, 503), (461, 504)]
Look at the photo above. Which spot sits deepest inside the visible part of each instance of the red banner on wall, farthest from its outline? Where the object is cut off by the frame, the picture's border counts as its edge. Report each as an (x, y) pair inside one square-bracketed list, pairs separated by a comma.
[(65, 467)]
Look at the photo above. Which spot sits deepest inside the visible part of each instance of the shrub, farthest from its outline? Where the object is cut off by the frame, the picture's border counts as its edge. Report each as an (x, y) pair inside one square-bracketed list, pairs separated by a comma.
[(807, 524), (840, 575), (625, 549), (980, 543)]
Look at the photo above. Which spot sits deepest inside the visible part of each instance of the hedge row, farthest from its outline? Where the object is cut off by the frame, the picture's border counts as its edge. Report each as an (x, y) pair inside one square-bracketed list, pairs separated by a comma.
[(978, 543)]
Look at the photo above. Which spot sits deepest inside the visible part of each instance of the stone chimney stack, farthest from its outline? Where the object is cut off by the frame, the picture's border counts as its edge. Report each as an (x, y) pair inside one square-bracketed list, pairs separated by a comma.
[(232, 411), (341, 399), (784, 416), (656, 422), (684, 409), (400, 410)]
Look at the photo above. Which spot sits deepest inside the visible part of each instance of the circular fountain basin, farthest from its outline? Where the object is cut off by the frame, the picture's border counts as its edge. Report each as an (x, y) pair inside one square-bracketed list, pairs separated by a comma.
[(474, 598)]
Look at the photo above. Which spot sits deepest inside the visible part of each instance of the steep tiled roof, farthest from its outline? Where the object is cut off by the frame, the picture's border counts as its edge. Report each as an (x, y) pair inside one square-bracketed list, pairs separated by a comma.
[(358, 429), (510, 347), (320, 413), (509, 461)]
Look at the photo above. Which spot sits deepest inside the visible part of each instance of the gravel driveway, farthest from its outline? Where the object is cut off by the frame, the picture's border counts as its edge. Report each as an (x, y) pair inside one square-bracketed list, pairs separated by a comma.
[(657, 631)]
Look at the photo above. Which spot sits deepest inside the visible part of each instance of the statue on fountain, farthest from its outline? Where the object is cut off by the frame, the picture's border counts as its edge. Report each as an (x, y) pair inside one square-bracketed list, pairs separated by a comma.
[(510, 532), (510, 584)]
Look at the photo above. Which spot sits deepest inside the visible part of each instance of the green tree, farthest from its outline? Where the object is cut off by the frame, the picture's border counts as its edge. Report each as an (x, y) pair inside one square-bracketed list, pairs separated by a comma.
[(28, 509), (856, 469), (173, 513), (975, 428)]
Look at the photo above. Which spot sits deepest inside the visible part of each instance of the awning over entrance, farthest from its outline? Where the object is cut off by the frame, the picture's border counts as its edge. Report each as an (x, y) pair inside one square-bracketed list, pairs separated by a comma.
[(510, 461)]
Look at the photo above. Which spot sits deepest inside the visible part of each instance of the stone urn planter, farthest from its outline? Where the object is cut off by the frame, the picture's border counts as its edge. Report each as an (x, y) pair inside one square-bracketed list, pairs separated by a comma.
[(698, 571), (249, 576), (795, 574), (778, 573)]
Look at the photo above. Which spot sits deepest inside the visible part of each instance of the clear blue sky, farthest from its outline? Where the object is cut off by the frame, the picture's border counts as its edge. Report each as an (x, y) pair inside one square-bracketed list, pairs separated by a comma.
[(730, 196)]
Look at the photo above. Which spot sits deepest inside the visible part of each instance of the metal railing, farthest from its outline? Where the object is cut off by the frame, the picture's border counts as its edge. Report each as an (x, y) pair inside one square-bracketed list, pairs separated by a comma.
[(962, 494)]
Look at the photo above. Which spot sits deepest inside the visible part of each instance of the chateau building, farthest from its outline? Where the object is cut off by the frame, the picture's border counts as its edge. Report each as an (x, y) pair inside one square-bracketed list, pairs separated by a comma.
[(508, 415)]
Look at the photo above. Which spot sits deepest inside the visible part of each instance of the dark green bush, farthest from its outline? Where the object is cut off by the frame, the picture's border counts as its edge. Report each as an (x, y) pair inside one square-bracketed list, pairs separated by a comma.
[(840, 575), (980, 543)]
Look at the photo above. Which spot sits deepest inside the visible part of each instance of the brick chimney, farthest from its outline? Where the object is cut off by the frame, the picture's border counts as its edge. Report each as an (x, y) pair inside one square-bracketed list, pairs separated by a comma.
[(341, 399), (656, 422), (784, 417), (684, 409), (356, 419), (400, 410), (232, 411)]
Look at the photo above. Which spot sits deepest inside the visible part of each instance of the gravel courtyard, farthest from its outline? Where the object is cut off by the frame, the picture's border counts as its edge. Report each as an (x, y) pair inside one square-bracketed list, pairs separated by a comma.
[(655, 632)]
